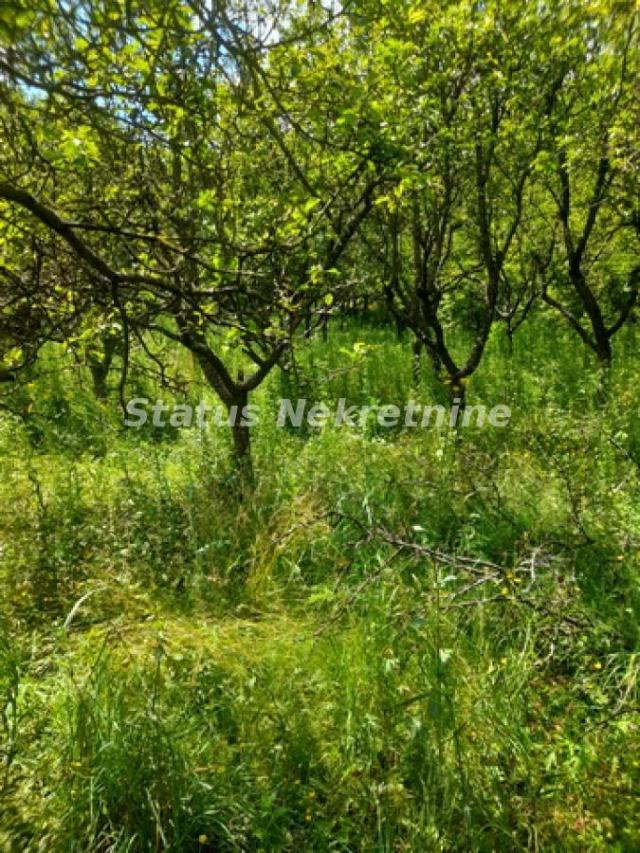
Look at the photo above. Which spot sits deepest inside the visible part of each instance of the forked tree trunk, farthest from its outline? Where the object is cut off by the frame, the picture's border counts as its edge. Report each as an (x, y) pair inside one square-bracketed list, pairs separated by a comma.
[(235, 398)]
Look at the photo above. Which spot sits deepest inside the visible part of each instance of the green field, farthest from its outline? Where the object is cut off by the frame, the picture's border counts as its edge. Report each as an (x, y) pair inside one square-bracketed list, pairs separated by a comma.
[(184, 670)]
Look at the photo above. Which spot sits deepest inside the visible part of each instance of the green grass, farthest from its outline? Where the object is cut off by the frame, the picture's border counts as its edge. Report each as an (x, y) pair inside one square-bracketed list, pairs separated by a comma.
[(181, 670)]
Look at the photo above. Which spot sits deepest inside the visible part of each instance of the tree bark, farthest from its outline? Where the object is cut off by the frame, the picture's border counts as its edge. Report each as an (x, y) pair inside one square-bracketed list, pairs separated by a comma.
[(416, 363), (241, 435), (604, 351), (100, 367), (99, 377)]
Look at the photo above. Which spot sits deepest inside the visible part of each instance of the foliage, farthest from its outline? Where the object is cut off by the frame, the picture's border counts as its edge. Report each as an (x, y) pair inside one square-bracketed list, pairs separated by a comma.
[(356, 637)]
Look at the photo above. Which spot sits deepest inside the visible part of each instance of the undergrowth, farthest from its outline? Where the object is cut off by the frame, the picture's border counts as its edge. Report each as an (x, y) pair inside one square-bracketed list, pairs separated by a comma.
[(403, 640)]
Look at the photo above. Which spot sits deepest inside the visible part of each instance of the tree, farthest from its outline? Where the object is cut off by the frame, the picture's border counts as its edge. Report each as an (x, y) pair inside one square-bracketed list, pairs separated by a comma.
[(455, 211), (591, 180), (197, 174)]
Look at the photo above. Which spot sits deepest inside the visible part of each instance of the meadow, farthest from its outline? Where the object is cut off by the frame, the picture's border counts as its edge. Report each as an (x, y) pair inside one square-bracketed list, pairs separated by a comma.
[(400, 639)]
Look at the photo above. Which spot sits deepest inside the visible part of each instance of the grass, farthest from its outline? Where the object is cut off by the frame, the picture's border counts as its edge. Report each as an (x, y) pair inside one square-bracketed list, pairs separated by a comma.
[(183, 671)]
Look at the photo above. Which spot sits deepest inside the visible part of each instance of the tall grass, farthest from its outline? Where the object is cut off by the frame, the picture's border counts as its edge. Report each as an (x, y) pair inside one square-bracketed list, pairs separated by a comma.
[(180, 670)]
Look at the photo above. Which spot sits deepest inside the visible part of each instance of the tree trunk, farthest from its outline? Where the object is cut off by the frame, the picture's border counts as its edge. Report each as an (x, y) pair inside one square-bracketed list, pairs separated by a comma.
[(325, 326), (241, 434), (458, 395), (604, 363), (592, 309), (415, 365), (99, 376), (509, 329), (458, 401), (604, 352), (100, 367)]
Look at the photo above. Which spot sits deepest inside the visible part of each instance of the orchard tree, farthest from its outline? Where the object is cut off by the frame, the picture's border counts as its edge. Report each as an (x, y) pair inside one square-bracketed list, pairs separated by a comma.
[(482, 97), (591, 170), (194, 170)]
